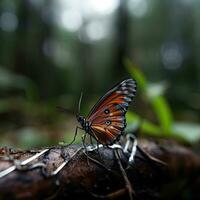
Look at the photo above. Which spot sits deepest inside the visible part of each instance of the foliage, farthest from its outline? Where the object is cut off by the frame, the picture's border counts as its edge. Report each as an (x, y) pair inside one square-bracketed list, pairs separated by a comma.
[(153, 94)]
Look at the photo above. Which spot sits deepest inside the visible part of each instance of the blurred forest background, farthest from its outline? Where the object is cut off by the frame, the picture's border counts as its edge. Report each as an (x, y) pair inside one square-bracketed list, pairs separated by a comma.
[(51, 50)]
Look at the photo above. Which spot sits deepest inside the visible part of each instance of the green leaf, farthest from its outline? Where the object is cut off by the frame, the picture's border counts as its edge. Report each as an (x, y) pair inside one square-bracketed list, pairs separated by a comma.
[(134, 122), (188, 131), (136, 74), (163, 113), (156, 89), (151, 129), (10, 80)]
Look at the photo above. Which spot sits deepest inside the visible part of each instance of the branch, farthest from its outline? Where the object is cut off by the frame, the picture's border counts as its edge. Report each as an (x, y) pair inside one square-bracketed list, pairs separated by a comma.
[(162, 170)]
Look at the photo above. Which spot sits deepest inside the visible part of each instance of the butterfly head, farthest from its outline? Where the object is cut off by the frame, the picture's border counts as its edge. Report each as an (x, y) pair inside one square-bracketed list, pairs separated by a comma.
[(81, 120)]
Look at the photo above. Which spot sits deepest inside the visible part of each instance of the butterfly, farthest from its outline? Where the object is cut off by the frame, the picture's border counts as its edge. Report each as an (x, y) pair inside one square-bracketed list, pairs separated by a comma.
[(106, 121)]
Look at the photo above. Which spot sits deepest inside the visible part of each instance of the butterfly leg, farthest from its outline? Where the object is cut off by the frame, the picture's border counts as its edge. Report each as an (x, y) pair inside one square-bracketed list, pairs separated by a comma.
[(91, 141), (86, 151), (64, 146), (83, 141), (75, 134), (99, 152), (97, 145)]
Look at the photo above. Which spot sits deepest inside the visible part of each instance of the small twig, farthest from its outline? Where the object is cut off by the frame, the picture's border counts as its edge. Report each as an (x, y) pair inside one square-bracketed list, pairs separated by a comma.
[(21, 163), (127, 182), (112, 195), (151, 158)]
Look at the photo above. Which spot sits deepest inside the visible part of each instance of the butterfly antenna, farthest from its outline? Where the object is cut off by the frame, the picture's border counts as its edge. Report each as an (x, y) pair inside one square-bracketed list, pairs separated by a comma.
[(79, 104), (64, 110)]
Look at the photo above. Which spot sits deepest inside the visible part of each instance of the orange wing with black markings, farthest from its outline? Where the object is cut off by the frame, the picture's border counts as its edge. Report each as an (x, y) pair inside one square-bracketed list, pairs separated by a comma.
[(107, 118)]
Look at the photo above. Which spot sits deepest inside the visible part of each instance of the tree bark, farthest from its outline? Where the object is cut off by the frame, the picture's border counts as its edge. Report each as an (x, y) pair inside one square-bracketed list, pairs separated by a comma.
[(162, 170)]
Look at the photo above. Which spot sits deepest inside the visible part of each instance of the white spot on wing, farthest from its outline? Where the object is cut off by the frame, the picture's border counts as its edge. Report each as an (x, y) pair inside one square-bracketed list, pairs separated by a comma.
[(123, 84), (118, 92)]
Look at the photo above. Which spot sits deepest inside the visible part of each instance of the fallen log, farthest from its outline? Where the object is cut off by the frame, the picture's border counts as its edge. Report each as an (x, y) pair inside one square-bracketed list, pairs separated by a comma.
[(161, 170)]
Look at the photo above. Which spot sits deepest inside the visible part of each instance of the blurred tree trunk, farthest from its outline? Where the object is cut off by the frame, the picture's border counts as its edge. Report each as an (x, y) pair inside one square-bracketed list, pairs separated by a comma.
[(122, 21)]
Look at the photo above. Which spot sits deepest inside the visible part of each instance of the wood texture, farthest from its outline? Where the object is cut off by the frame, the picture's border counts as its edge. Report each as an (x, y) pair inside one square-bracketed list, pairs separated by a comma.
[(101, 177)]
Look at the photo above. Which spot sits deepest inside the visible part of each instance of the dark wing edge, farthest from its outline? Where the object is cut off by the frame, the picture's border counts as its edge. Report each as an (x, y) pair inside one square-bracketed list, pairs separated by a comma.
[(126, 87)]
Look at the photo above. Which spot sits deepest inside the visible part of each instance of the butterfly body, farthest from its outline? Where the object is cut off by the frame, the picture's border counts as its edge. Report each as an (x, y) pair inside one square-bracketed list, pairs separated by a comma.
[(106, 121), (85, 124)]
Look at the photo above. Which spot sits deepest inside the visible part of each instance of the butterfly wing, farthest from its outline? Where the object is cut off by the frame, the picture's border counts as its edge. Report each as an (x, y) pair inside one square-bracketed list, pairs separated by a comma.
[(107, 117)]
